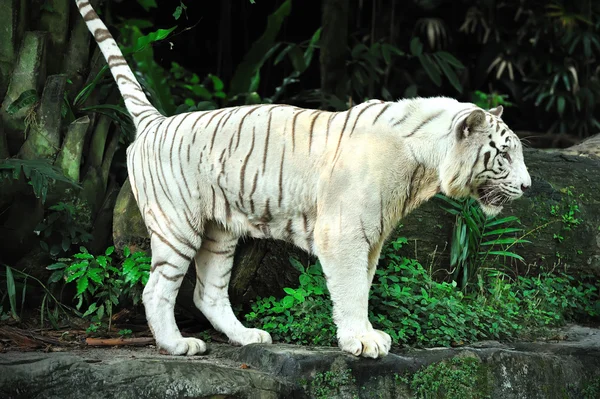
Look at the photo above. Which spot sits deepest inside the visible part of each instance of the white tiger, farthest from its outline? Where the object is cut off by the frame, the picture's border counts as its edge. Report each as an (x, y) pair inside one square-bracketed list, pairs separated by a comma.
[(333, 183)]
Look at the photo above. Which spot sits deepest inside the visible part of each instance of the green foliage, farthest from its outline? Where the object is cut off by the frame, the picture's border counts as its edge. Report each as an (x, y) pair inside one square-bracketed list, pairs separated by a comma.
[(11, 291), (247, 73), (478, 240), (65, 225), (330, 384), (181, 8), (302, 316), (457, 378), (100, 284), (150, 74), (414, 309), (437, 64), (491, 100), (40, 174), (125, 332), (592, 389), (27, 99)]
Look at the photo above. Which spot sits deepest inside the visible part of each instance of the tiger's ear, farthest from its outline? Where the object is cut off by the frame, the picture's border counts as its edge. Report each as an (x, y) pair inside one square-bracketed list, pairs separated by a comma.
[(476, 119), (497, 111)]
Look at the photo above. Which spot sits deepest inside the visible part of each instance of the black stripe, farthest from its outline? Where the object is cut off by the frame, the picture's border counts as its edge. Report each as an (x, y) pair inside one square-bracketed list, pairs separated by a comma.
[(401, 120), (116, 60), (82, 4), (385, 108), (102, 34), (245, 163), (358, 116), (281, 177), (174, 278), (312, 126), (337, 149), (267, 142), (239, 132), (426, 121), (90, 16), (294, 128), (215, 113), (168, 244)]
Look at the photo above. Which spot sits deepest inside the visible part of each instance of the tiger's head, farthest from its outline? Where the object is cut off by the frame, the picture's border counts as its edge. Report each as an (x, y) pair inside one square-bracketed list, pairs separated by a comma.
[(486, 162)]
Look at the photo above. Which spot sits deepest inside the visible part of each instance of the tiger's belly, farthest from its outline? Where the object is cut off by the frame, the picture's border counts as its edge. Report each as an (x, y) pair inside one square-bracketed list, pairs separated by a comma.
[(296, 227)]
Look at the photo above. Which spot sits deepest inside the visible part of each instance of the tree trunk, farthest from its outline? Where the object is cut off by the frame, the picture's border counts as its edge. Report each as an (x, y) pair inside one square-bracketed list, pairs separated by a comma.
[(334, 49)]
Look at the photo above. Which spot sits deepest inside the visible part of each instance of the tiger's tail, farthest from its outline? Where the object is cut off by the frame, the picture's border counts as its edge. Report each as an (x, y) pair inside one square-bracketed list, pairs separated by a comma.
[(141, 110)]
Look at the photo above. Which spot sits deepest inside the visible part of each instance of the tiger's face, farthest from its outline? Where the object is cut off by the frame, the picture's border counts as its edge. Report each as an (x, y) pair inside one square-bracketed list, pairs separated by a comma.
[(494, 154)]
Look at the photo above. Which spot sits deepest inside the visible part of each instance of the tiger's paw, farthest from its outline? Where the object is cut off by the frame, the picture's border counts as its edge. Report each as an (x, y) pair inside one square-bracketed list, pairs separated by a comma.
[(251, 336), (187, 346), (372, 344)]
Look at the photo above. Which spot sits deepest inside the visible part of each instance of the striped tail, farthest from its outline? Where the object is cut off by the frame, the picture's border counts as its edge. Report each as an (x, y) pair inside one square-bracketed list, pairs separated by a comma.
[(141, 110)]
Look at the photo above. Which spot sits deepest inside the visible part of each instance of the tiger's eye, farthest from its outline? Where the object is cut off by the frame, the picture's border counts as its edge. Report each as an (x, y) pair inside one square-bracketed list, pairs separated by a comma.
[(506, 156)]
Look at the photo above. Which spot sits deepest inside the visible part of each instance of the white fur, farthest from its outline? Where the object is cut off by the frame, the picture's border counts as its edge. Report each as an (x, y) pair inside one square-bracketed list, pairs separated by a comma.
[(334, 184)]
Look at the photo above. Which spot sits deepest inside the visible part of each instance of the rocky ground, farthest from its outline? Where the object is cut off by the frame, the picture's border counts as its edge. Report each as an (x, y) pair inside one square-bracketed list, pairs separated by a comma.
[(568, 367)]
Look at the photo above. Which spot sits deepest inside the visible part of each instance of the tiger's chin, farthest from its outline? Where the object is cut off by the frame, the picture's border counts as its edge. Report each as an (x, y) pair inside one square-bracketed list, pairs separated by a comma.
[(489, 209)]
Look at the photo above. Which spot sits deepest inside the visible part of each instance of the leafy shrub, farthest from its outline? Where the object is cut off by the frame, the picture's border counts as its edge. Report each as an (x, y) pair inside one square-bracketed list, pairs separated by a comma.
[(100, 284), (457, 378), (478, 240), (302, 316), (65, 224), (414, 309)]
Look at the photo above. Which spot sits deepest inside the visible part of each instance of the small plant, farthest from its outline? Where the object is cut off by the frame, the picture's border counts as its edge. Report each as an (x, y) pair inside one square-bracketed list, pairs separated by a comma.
[(125, 332), (490, 100), (330, 384), (303, 315), (416, 310), (40, 174), (65, 225), (457, 378), (477, 239), (100, 285)]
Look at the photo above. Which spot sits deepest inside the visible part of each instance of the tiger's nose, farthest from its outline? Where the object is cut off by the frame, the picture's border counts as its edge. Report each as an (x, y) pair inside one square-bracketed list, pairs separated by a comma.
[(525, 187)]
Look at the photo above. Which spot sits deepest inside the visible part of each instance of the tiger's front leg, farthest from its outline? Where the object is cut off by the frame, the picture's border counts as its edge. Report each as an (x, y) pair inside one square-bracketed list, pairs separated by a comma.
[(344, 256)]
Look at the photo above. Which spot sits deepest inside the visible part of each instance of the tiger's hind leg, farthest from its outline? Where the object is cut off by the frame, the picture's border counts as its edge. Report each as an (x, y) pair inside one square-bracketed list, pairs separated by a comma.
[(170, 261), (214, 261)]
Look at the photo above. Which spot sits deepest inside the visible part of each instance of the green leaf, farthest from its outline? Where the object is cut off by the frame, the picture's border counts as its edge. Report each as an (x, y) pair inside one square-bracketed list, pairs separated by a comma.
[(560, 105), (152, 37), (90, 310), (25, 100), (502, 241), (312, 44), (431, 69), (126, 252), (507, 230), (109, 250), (507, 219), (56, 266), (82, 285), (147, 4), (217, 83), (450, 59), (449, 72), (255, 58), (56, 276), (11, 290), (416, 47), (297, 264), (504, 253), (287, 302)]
